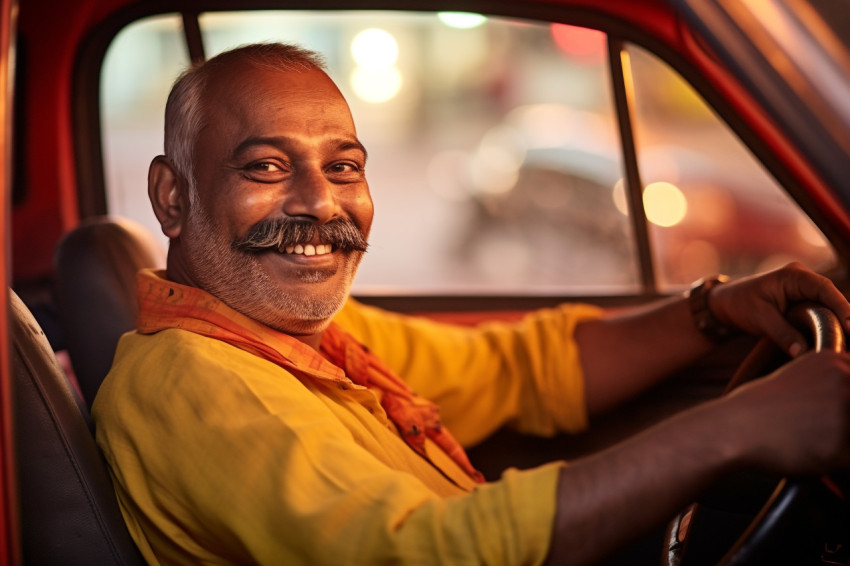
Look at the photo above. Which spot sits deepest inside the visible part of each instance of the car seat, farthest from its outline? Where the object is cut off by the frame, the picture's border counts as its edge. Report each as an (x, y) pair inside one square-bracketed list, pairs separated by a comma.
[(96, 266), (68, 511)]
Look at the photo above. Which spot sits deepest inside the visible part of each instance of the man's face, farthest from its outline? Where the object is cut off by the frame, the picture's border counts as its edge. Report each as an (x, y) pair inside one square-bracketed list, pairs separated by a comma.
[(277, 145)]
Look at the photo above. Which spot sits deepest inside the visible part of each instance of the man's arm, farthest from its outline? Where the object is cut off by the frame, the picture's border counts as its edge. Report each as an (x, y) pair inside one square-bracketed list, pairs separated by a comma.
[(793, 422), (624, 354)]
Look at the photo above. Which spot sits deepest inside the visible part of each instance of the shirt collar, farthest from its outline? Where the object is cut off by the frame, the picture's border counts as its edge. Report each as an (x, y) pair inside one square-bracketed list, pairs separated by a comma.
[(164, 304)]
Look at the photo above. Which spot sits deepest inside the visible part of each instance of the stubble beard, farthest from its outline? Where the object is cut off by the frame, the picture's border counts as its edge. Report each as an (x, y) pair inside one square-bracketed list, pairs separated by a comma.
[(238, 280)]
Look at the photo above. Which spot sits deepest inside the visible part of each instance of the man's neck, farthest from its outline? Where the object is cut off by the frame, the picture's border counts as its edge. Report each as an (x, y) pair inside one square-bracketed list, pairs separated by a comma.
[(177, 272), (175, 269)]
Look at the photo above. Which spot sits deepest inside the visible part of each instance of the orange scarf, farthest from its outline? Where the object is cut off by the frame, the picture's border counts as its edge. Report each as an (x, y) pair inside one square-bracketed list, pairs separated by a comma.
[(163, 304)]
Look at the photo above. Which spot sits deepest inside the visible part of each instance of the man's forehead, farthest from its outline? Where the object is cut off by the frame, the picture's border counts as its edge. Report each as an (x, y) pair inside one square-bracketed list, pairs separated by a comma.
[(253, 101), (252, 80), (251, 90)]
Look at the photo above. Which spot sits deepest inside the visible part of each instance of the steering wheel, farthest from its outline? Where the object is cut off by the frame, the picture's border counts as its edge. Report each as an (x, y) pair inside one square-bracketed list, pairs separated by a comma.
[(744, 520)]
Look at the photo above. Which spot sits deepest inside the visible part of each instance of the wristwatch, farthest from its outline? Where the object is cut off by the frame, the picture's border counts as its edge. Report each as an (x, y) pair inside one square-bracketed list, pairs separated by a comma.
[(704, 319)]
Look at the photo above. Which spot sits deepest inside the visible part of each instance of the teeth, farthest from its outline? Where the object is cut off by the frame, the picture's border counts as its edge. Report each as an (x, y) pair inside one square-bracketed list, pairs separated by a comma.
[(309, 249)]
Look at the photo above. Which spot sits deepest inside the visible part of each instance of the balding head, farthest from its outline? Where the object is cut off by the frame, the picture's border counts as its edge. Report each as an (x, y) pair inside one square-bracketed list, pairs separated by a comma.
[(184, 110)]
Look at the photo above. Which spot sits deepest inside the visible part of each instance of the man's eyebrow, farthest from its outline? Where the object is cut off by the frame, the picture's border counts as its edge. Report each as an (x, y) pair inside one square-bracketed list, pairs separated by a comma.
[(281, 142), (349, 143), (274, 141)]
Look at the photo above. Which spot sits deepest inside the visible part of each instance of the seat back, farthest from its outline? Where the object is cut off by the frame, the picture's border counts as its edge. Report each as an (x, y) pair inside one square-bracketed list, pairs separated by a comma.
[(68, 510), (96, 266)]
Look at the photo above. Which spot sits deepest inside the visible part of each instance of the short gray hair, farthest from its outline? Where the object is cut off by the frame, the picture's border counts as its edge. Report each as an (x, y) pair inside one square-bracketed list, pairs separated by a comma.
[(184, 110)]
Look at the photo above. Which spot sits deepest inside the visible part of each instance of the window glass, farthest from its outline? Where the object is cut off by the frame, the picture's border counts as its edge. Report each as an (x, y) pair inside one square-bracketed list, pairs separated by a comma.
[(492, 144), (711, 207), (138, 70)]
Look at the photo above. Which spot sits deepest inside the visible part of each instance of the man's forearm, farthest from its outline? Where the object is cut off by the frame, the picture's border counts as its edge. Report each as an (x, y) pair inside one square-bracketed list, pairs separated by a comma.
[(624, 354), (793, 422), (610, 498)]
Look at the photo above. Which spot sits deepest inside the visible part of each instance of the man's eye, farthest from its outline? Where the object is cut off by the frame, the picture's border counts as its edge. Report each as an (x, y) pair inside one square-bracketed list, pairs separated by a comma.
[(265, 167), (344, 168), (265, 171)]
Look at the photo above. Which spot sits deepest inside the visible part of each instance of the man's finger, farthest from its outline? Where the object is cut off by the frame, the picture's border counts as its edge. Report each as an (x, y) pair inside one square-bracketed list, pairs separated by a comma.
[(808, 285), (778, 329)]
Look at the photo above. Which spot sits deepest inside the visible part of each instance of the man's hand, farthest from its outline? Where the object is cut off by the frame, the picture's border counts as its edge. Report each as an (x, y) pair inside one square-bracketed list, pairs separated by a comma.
[(796, 421), (757, 304), (656, 341)]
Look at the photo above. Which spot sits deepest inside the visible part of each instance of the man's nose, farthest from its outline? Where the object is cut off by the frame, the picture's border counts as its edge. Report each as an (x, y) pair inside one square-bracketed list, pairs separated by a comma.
[(311, 195)]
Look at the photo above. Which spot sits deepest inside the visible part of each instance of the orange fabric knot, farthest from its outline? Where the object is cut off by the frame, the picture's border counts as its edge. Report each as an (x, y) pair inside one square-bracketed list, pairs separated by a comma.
[(415, 417)]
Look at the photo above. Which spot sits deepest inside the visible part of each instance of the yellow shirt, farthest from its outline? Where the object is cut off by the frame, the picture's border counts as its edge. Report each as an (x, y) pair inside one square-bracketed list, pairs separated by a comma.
[(222, 457)]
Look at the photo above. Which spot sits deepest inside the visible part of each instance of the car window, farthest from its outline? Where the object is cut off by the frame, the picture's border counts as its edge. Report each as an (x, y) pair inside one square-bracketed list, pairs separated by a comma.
[(492, 143), (494, 153), (138, 70), (711, 207)]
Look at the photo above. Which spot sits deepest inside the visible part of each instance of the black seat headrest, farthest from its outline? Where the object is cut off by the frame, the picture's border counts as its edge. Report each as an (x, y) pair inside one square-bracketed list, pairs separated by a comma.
[(96, 266)]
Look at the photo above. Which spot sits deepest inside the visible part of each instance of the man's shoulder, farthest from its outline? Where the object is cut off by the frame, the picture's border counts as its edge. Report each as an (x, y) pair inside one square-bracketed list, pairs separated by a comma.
[(184, 349), (149, 368), (170, 342), (176, 356)]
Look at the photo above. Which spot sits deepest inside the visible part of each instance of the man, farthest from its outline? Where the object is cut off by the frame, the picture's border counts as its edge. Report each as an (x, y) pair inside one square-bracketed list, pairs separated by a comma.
[(242, 425)]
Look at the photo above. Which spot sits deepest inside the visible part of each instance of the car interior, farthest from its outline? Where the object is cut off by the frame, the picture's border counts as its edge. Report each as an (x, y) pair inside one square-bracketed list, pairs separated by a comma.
[(522, 216)]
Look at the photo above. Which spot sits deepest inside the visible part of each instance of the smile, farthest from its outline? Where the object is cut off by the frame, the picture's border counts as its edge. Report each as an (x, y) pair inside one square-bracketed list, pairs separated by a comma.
[(309, 249)]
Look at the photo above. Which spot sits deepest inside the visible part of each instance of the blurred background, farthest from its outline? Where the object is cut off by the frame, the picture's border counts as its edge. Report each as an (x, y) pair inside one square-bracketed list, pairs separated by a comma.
[(494, 153)]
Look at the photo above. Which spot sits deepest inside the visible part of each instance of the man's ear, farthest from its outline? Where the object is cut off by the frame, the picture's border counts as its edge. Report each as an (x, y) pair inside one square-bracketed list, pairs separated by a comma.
[(169, 202)]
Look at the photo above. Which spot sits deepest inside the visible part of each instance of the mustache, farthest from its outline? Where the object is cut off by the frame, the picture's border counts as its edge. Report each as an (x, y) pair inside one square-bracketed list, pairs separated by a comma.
[(342, 233)]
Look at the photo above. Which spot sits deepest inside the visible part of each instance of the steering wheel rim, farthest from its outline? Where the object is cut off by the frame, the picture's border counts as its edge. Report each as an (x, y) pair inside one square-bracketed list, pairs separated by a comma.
[(826, 333)]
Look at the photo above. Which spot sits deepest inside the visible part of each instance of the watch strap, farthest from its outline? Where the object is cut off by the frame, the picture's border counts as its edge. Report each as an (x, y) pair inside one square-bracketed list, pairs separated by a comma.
[(703, 317)]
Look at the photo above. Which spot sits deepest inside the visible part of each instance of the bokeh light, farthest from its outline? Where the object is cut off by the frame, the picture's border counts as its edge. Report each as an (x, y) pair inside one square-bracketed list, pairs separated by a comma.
[(583, 44), (461, 20), (376, 85), (374, 48), (665, 204), (375, 78)]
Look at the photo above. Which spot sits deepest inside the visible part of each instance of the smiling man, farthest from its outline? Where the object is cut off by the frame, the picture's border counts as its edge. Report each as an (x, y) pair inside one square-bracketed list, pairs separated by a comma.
[(260, 416), (286, 208)]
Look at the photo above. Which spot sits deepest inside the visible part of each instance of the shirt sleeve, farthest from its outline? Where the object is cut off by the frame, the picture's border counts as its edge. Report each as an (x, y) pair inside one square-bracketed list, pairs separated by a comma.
[(526, 374), (214, 467)]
